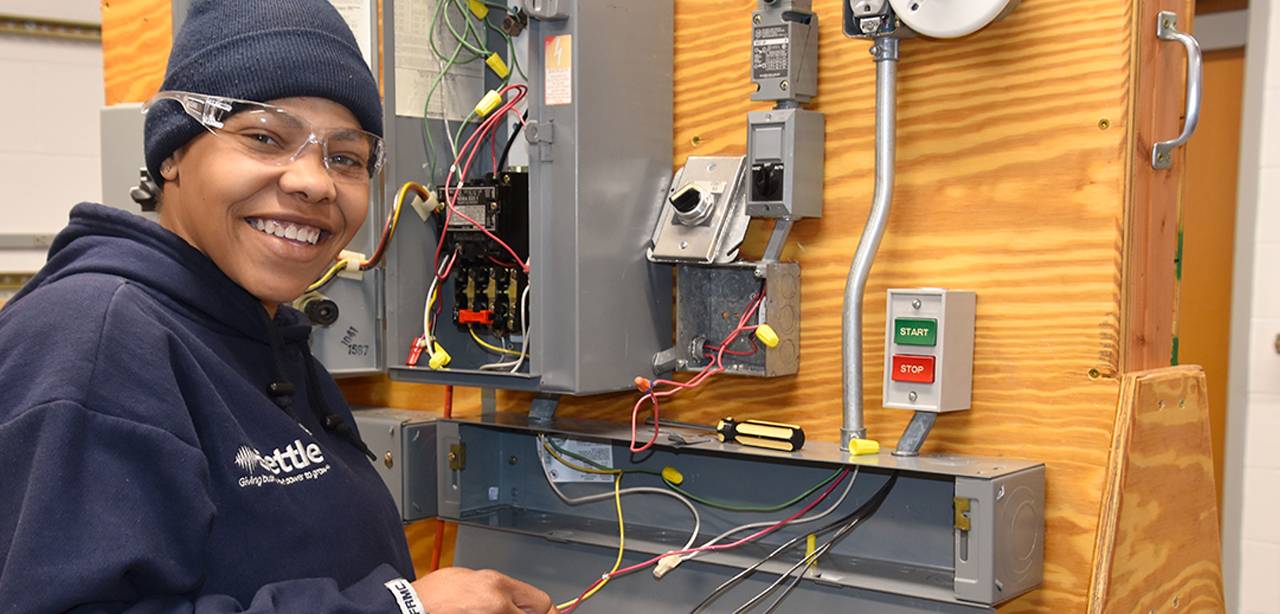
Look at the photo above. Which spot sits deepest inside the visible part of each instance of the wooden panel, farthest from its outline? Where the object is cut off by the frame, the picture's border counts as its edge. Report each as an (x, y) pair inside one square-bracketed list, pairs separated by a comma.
[(1151, 221), (135, 48), (1208, 227), (1158, 544)]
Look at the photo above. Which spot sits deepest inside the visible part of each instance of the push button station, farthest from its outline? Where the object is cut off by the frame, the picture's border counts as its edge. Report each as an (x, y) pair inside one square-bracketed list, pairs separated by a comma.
[(929, 349)]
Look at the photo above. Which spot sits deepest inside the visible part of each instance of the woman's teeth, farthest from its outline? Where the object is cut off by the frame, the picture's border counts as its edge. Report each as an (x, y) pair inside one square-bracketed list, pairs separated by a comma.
[(287, 230)]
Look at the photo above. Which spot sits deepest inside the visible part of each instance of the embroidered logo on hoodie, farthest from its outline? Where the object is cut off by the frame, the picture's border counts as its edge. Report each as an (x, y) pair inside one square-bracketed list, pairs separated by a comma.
[(297, 462)]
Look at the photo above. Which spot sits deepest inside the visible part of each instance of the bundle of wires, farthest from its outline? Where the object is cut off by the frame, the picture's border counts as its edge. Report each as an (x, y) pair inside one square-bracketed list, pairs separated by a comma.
[(466, 156), (842, 526), (469, 46), (569, 606), (388, 231), (713, 367), (559, 454)]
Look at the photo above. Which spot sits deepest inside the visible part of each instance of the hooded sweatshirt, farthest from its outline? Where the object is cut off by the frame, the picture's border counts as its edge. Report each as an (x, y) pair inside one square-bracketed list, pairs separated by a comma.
[(166, 447)]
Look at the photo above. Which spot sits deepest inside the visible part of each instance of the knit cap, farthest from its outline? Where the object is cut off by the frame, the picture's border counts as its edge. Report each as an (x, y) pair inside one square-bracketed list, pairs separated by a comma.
[(260, 50)]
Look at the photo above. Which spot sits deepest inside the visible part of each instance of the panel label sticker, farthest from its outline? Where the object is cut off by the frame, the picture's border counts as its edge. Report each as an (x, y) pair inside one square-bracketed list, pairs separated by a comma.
[(599, 453), (770, 52), (558, 54)]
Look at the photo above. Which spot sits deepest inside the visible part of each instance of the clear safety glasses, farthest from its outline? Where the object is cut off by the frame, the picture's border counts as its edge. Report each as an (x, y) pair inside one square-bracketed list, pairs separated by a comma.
[(276, 136)]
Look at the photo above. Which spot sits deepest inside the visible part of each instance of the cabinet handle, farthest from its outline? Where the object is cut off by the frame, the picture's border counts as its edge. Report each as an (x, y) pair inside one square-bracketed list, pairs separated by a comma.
[(1167, 30)]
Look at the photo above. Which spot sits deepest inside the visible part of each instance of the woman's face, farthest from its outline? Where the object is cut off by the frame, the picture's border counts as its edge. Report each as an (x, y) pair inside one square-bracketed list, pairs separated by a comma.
[(231, 207)]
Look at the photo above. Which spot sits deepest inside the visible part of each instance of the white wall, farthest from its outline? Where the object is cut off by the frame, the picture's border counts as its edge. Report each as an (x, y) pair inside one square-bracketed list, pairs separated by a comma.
[(1251, 510), (49, 156)]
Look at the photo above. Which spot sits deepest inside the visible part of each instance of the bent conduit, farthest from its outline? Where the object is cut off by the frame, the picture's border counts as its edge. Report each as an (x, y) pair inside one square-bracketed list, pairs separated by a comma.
[(885, 52)]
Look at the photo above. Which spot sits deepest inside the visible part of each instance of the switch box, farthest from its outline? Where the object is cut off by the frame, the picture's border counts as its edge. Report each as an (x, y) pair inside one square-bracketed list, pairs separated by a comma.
[(928, 363), (784, 163)]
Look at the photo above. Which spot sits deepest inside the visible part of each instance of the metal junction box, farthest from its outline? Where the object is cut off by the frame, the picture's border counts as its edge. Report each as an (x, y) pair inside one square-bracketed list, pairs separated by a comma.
[(405, 444), (955, 534)]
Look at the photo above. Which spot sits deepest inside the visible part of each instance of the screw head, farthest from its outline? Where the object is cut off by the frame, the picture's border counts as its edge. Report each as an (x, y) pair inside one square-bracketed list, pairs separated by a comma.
[(513, 460), (696, 140), (1094, 374), (756, 19), (912, 396), (1104, 123), (684, 244), (916, 304), (784, 86), (388, 460), (453, 456)]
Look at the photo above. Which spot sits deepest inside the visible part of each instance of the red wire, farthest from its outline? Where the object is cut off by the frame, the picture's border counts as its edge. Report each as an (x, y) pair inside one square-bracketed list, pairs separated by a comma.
[(470, 148), (713, 367), (754, 536), (451, 198)]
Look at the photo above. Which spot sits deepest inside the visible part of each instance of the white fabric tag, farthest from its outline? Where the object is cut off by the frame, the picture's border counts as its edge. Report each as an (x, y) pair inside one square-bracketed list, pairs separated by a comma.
[(405, 596)]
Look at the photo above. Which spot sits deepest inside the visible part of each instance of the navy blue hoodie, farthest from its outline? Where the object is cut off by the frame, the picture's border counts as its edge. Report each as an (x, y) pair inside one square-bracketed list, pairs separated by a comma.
[(164, 446)]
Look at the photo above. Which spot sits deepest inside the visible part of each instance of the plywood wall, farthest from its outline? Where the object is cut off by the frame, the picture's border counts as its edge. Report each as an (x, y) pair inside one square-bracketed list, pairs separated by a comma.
[(1012, 181)]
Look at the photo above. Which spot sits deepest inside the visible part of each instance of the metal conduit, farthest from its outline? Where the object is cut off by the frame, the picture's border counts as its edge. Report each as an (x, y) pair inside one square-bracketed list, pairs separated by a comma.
[(885, 52)]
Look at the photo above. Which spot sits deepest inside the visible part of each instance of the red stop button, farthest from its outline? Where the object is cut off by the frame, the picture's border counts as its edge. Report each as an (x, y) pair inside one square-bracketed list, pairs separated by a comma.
[(917, 369)]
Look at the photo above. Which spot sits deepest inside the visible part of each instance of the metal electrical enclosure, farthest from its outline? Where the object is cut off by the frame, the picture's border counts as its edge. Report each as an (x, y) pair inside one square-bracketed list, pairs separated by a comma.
[(599, 133)]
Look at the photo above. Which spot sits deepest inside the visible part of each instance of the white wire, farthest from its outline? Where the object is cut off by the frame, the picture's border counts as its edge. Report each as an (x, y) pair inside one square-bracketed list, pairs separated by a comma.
[(697, 518), (768, 523), (524, 325)]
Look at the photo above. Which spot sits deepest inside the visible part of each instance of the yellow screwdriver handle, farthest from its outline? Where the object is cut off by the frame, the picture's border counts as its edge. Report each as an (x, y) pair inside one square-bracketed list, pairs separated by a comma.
[(761, 434)]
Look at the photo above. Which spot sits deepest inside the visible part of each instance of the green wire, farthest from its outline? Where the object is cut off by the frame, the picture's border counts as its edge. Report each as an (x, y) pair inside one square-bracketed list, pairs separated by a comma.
[(470, 29), (733, 507)]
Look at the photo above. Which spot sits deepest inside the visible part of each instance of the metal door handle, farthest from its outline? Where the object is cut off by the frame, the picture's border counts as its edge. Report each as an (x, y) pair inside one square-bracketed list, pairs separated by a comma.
[(1167, 30)]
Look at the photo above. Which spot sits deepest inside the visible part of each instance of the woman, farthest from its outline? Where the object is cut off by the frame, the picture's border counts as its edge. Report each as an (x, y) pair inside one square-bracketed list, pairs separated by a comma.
[(167, 441)]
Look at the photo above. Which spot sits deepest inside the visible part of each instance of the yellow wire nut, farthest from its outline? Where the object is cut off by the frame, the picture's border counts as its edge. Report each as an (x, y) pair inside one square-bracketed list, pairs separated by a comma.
[(439, 358), (860, 447), (672, 475), (499, 67), (489, 102), (478, 8), (767, 336)]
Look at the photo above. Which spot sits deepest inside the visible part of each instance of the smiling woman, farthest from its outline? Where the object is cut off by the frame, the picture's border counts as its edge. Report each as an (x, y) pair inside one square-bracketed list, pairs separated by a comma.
[(168, 441), (288, 200)]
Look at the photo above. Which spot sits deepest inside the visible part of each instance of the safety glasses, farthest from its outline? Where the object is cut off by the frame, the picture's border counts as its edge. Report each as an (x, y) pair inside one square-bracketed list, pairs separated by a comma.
[(276, 136)]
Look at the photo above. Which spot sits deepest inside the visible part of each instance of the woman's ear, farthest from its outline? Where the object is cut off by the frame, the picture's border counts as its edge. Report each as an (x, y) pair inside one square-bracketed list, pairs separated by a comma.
[(169, 168)]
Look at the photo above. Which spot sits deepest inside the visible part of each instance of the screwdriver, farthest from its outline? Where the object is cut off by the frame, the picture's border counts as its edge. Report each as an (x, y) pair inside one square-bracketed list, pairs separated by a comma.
[(755, 433)]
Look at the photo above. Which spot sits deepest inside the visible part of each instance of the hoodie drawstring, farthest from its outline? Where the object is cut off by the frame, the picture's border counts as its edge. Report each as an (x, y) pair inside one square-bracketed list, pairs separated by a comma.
[(332, 422), (281, 391)]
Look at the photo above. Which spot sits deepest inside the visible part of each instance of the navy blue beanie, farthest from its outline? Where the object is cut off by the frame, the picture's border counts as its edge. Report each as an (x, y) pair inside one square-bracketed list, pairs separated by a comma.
[(260, 50)]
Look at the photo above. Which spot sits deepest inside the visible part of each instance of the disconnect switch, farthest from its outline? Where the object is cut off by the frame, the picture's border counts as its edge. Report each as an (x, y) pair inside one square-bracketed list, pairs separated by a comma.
[(785, 157)]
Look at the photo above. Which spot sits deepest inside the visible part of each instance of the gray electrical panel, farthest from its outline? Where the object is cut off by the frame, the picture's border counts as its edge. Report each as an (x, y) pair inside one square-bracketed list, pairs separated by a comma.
[(599, 133)]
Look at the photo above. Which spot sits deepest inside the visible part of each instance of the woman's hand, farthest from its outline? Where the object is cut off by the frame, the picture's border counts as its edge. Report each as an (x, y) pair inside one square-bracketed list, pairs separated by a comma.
[(457, 590)]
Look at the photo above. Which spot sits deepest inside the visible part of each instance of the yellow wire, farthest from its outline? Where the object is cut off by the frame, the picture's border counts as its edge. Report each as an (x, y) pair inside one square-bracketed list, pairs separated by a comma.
[(622, 538), (489, 346), (328, 275)]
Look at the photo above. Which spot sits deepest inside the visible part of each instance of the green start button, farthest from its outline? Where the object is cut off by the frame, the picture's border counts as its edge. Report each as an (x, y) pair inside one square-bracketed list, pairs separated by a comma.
[(915, 331)]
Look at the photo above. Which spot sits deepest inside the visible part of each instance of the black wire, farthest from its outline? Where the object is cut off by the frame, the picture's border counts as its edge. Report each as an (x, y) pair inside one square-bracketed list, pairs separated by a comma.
[(863, 511), (511, 140)]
